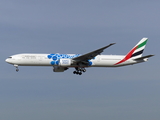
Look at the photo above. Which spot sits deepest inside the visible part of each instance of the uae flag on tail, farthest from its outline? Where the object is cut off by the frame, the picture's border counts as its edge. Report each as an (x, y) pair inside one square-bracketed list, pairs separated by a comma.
[(136, 52)]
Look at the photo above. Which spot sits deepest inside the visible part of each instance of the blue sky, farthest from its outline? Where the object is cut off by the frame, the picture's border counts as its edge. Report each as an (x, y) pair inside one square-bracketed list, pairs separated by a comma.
[(78, 26)]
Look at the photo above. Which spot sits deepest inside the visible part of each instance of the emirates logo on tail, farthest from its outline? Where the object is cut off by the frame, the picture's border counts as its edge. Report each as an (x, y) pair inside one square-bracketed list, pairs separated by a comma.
[(136, 52)]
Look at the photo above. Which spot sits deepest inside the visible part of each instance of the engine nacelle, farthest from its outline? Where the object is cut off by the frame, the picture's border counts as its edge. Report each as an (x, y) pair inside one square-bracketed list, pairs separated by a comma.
[(65, 62), (59, 69)]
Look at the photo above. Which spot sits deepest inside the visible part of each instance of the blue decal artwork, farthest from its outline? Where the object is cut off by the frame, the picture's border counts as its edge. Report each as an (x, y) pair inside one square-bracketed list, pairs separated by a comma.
[(56, 57), (49, 56), (52, 62), (90, 63), (57, 62)]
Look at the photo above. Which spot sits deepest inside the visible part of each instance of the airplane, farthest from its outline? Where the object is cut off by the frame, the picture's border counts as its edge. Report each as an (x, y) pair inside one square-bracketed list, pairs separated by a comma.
[(62, 62)]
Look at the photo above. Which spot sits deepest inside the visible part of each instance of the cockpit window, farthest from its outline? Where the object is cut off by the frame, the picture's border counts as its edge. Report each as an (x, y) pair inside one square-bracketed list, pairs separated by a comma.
[(9, 57)]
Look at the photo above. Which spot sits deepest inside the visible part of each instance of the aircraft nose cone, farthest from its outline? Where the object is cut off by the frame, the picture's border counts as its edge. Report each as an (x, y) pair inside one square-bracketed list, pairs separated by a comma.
[(7, 60)]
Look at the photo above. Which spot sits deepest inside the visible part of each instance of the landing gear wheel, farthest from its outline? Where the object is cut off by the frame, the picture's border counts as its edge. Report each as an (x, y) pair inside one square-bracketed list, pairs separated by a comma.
[(17, 70), (84, 70), (80, 73), (79, 70)]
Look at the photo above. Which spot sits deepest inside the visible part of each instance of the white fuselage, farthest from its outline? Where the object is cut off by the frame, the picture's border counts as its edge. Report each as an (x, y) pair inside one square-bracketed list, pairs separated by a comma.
[(44, 60), (62, 62)]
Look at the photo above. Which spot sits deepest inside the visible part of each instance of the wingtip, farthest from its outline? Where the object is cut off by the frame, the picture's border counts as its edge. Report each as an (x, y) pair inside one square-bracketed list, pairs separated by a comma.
[(112, 43)]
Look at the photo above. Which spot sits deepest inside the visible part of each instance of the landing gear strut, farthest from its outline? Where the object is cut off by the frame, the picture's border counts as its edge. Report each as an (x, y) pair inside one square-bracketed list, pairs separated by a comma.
[(79, 71), (16, 68)]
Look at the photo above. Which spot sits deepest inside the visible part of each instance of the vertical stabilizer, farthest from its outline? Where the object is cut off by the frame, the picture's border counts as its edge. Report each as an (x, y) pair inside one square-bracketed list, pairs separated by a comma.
[(139, 48), (136, 51)]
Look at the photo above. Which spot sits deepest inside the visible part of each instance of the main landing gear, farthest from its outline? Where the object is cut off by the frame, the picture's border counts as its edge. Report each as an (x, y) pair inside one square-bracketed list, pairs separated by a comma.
[(16, 68), (79, 71)]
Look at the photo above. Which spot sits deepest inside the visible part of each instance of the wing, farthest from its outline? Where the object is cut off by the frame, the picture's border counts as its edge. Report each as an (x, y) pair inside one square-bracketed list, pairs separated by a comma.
[(92, 54)]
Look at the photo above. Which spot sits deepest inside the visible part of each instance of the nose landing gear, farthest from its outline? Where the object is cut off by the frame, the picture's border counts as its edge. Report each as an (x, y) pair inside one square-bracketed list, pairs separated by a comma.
[(79, 71), (16, 68)]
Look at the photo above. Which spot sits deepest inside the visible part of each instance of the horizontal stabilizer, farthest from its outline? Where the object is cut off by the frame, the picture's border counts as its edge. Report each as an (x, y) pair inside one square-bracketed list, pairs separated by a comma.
[(142, 58)]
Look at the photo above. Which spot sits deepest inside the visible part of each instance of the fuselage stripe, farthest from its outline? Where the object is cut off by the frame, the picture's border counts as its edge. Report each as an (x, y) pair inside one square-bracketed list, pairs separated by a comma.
[(128, 56)]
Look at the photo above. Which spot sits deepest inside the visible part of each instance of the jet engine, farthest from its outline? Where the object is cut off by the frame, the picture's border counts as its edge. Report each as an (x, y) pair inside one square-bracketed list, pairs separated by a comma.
[(59, 69)]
